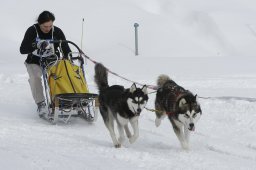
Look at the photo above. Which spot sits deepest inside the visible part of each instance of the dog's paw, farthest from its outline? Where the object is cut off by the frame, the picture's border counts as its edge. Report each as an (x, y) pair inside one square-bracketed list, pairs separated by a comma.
[(133, 139), (118, 145), (157, 122), (185, 146)]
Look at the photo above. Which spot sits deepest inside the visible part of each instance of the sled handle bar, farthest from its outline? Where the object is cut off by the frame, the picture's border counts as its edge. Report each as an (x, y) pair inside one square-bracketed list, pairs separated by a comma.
[(64, 41), (70, 42)]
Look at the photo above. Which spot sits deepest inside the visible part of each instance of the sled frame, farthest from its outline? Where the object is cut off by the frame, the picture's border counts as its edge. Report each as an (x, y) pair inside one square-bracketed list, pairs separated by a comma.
[(64, 106)]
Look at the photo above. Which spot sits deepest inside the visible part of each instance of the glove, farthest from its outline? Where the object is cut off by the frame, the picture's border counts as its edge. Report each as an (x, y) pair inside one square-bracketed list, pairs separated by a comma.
[(43, 45)]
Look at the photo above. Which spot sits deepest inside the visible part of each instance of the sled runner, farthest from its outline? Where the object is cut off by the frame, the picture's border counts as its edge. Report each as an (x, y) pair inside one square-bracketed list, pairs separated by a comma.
[(66, 91)]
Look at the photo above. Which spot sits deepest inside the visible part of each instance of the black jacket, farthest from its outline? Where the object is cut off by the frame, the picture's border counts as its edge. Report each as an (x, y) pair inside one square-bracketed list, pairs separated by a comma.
[(28, 44)]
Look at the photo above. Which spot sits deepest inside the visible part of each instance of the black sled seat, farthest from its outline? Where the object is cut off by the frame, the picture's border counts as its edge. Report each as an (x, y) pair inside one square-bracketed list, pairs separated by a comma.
[(77, 96)]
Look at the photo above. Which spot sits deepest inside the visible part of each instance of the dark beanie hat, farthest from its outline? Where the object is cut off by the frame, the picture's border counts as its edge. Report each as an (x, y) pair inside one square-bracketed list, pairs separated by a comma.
[(45, 16)]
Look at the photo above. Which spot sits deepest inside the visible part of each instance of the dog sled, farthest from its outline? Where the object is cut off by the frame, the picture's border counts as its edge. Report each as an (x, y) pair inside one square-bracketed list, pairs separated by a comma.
[(66, 91)]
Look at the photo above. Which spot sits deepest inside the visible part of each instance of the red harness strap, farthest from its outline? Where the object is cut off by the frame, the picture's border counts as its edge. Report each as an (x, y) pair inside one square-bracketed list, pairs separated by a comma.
[(170, 113)]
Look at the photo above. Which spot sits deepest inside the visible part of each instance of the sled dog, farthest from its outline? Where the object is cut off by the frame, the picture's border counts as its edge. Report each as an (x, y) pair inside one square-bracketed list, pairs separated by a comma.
[(179, 105), (120, 105)]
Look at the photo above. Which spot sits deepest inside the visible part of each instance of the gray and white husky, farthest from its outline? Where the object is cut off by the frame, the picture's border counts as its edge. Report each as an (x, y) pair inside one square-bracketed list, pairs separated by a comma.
[(120, 105), (179, 105)]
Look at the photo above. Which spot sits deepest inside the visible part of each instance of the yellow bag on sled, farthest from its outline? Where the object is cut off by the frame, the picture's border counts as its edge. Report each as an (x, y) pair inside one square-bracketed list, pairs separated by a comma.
[(66, 78)]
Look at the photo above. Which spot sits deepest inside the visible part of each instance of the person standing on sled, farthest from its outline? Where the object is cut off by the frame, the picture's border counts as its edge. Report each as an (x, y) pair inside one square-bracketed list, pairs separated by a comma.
[(36, 43)]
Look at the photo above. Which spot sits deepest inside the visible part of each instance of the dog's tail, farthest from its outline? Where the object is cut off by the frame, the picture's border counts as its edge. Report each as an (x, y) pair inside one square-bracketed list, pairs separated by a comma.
[(101, 76), (162, 79)]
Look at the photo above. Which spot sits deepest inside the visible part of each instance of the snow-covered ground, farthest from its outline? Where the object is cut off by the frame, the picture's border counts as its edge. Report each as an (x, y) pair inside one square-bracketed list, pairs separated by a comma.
[(206, 46)]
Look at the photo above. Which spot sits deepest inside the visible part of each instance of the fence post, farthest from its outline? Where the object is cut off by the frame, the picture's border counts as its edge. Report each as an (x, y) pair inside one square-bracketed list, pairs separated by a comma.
[(136, 25)]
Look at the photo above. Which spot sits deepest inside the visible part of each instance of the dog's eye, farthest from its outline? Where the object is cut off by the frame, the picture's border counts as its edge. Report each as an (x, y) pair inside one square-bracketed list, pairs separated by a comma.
[(186, 115), (194, 115), (135, 102)]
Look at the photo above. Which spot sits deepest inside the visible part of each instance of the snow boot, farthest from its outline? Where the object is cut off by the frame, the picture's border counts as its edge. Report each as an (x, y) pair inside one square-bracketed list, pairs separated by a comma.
[(42, 109)]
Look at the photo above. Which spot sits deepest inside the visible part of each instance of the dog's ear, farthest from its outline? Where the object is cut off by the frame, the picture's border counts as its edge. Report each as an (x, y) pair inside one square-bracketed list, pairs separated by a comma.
[(133, 88), (195, 96), (182, 102), (144, 89)]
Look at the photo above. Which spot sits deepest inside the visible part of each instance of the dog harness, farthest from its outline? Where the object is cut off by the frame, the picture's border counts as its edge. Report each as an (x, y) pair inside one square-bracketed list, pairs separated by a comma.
[(46, 52), (177, 92)]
